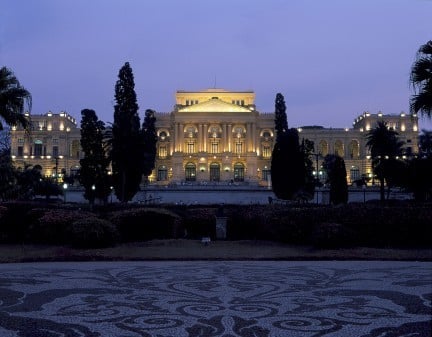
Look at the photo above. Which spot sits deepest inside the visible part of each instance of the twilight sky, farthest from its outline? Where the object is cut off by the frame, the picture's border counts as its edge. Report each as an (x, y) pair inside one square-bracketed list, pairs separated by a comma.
[(331, 59)]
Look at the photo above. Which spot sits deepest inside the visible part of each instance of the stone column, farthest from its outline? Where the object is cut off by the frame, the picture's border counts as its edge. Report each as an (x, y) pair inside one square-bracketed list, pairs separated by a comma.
[(181, 126), (200, 137), (224, 137), (248, 137), (229, 137), (175, 145), (254, 137), (205, 134)]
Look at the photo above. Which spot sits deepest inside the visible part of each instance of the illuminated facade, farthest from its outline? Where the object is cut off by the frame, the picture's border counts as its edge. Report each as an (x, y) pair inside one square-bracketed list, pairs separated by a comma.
[(53, 144), (212, 136)]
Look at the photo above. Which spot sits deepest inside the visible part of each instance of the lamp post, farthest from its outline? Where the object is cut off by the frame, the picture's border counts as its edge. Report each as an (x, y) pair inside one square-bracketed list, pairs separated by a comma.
[(65, 186), (317, 178), (56, 169)]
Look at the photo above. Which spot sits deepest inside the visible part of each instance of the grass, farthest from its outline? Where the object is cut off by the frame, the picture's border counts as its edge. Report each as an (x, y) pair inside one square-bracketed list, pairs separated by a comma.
[(195, 250)]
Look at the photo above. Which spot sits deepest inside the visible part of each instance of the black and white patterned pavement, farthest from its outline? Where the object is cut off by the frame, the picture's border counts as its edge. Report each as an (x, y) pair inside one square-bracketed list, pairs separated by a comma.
[(208, 298)]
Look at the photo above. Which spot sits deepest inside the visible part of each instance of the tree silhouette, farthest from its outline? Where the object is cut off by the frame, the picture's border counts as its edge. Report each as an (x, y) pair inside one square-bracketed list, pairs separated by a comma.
[(385, 148), (13, 98), (421, 81), (127, 141)]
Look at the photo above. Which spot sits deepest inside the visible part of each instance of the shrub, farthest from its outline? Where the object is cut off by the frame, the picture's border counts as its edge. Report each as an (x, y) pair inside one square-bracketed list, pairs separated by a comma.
[(92, 233), (200, 221), (15, 221), (51, 226), (142, 224), (332, 235)]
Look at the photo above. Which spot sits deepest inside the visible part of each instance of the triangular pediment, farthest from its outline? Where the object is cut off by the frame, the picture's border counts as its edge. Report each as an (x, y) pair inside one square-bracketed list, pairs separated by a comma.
[(214, 105)]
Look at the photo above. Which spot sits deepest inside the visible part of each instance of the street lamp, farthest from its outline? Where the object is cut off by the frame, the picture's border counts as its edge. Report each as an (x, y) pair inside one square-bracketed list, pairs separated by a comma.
[(56, 167), (65, 186), (317, 178)]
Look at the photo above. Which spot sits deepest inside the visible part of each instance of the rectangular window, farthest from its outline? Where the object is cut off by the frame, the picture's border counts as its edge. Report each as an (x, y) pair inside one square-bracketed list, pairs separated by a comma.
[(266, 174), (163, 152), (239, 147), (55, 141), (190, 148), (20, 140), (214, 147), (266, 151), (20, 151), (38, 149), (55, 151)]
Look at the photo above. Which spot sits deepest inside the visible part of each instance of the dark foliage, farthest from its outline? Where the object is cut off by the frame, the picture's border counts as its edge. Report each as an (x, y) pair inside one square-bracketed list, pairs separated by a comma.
[(288, 170), (384, 145), (281, 122), (94, 166), (150, 140), (13, 97), (420, 178), (146, 223), (127, 150), (336, 178), (92, 233), (421, 80)]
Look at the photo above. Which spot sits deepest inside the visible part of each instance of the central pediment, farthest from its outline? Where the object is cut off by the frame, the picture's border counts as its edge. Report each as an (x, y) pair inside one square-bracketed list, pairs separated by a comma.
[(214, 105)]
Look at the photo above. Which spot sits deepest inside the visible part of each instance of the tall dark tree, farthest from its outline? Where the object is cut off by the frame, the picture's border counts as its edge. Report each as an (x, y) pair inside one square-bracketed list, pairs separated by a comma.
[(150, 140), (307, 148), (336, 178), (281, 122), (288, 166), (7, 175), (13, 98), (385, 147), (421, 80), (420, 178), (94, 166), (127, 141), (425, 144)]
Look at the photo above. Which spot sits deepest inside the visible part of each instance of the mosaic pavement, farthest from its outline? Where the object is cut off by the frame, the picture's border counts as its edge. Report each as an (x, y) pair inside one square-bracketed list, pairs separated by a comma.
[(230, 299)]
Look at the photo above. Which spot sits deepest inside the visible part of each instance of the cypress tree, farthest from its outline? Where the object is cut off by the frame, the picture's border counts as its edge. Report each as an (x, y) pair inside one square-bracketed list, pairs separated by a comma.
[(336, 177), (287, 166), (94, 166), (127, 140), (281, 122), (149, 139)]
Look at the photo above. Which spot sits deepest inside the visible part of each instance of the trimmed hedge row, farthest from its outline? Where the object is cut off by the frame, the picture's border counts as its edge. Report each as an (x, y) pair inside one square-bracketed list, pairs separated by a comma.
[(399, 225)]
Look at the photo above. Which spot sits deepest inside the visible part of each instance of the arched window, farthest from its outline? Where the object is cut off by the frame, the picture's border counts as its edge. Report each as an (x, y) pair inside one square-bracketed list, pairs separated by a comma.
[(162, 173), (75, 152), (323, 148), (239, 172), (354, 173), (339, 148), (266, 174), (190, 172), (214, 172), (162, 135), (354, 149)]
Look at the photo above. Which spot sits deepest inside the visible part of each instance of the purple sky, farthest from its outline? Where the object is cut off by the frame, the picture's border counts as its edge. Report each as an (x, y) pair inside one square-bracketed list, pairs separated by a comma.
[(331, 59)]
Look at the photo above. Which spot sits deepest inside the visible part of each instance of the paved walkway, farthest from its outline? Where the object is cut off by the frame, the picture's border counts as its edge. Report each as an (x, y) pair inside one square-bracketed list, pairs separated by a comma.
[(259, 299)]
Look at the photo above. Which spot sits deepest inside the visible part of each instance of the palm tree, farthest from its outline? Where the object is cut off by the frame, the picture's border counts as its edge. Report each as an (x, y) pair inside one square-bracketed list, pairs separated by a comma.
[(12, 99), (385, 147), (421, 80)]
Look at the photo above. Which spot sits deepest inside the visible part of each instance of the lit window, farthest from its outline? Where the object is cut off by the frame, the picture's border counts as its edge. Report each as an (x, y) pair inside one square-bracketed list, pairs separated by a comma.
[(162, 151)]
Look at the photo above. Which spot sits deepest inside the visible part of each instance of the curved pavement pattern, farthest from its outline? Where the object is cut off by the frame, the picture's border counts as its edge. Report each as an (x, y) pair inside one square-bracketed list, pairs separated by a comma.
[(266, 298)]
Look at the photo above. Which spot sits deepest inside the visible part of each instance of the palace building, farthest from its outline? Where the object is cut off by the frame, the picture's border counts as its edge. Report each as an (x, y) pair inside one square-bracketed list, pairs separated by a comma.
[(212, 136)]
